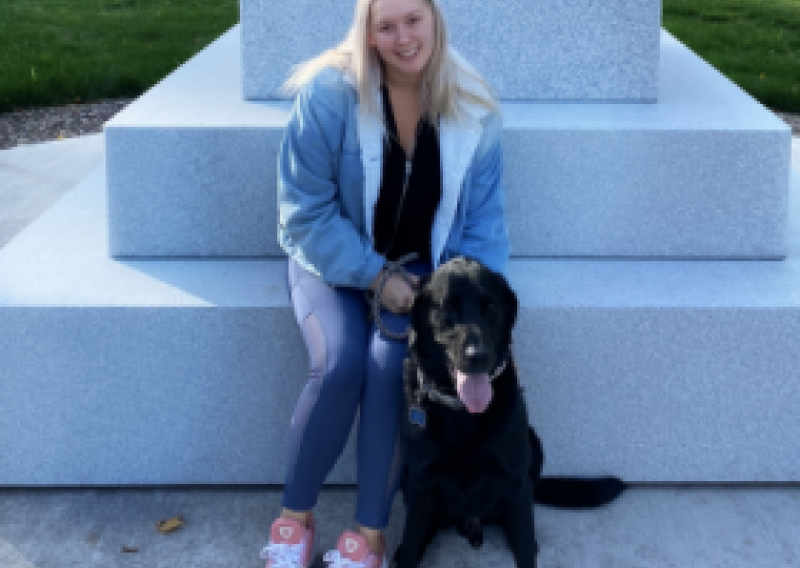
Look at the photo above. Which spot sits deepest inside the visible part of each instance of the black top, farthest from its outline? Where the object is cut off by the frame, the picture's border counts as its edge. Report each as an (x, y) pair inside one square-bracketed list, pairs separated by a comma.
[(403, 224)]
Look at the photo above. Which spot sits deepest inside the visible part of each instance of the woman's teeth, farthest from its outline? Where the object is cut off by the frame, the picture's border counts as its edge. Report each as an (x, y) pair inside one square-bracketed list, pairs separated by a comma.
[(408, 54)]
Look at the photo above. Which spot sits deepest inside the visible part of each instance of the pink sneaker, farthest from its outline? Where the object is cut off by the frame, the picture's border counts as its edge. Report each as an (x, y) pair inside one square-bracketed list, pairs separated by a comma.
[(352, 551), (291, 545)]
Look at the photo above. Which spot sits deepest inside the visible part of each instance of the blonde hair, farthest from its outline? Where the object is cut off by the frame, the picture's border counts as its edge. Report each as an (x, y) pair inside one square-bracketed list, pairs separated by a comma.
[(442, 94)]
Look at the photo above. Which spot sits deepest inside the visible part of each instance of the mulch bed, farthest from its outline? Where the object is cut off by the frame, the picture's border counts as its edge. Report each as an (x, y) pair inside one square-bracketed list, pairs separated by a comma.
[(54, 123)]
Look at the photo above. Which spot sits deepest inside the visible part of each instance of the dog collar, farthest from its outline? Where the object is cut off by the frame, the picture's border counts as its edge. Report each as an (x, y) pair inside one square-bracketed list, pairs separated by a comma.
[(426, 389)]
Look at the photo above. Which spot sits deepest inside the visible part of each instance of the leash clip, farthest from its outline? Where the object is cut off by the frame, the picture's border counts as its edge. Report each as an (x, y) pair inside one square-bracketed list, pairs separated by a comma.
[(416, 413), (417, 416)]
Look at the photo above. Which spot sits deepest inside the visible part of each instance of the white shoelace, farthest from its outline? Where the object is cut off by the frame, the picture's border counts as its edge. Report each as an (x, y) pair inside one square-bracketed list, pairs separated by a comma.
[(283, 555), (336, 560)]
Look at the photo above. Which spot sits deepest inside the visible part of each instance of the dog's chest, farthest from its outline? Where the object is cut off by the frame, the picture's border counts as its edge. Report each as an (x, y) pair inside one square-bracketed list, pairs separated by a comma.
[(462, 441), (467, 442)]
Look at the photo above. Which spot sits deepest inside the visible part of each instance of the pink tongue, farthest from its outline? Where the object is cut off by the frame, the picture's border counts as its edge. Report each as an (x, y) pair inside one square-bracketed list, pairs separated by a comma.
[(475, 391)]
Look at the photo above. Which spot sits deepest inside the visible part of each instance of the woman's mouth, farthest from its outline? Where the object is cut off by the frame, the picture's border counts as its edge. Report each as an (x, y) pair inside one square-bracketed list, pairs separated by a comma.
[(408, 54)]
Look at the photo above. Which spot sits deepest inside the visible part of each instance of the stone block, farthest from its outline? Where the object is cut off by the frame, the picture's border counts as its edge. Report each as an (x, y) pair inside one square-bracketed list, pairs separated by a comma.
[(118, 372), (702, 174), (580, 51)]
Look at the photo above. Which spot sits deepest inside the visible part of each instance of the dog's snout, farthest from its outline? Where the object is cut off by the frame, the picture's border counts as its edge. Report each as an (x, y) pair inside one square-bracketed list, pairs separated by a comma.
[(476, 354)]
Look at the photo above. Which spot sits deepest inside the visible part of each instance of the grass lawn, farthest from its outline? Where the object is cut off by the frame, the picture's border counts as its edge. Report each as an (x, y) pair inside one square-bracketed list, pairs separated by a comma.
[(755, 43), (62, 51)]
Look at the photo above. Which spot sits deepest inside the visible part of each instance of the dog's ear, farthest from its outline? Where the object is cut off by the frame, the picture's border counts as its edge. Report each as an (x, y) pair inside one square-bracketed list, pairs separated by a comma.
[(418, 308), (510, 298), (510, 302), (419, 311)]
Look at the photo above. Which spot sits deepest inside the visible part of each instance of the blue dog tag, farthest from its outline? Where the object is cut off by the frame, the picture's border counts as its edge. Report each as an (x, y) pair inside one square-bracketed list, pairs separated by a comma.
[(417, 416)]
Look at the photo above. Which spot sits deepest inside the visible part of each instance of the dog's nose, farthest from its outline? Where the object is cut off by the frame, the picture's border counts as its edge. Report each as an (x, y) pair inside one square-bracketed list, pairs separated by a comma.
[(475, 353)]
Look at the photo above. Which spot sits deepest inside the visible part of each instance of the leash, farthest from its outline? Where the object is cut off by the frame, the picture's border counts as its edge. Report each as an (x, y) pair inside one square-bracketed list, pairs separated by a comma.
[(390, 268)]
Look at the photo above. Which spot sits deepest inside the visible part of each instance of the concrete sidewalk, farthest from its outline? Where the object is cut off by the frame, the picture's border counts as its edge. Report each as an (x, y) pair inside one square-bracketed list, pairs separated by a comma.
[(648, 527), (226, 527), (34, 176)]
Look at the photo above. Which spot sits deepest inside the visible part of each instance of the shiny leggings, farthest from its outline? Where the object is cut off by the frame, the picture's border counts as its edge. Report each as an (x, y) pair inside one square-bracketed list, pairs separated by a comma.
[(352, 367)]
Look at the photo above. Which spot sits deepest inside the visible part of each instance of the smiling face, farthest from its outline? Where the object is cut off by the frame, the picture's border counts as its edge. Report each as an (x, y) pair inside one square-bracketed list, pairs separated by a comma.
[(403, 33)]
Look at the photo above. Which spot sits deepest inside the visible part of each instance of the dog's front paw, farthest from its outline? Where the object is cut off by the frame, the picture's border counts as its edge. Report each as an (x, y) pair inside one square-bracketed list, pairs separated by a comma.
[(471, 529), (400, 560), (454, 497)]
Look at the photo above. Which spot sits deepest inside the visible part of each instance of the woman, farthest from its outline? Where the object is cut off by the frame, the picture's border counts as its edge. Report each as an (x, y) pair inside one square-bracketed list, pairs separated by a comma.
[(393, 147)]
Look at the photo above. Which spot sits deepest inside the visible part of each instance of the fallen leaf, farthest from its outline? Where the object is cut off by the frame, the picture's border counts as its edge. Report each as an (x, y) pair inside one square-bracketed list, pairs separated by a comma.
[(169, 525)]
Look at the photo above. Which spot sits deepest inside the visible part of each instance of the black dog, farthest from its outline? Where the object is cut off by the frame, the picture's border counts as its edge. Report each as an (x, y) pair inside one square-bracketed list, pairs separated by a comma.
[(471, 457)]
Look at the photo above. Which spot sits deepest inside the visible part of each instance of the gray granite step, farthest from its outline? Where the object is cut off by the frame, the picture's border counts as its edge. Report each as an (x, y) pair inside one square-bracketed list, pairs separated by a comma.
[(186, 371), (703, 173)]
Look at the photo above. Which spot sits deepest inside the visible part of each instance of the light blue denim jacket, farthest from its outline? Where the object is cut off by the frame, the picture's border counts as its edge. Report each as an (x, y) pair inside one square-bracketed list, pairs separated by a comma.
[(329, 175)]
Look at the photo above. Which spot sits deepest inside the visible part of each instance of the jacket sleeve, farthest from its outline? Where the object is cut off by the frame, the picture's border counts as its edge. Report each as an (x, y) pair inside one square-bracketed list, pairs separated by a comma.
[(485, 236), (312, 227)]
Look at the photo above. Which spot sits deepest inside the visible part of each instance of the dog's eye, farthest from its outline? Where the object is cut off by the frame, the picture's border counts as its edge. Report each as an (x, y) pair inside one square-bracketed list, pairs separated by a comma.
[(487, 305), (449, 311), (452, 307)]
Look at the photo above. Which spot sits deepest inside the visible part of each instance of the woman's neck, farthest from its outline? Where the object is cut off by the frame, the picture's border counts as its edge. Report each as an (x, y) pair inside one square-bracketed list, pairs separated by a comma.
[(400, 82)]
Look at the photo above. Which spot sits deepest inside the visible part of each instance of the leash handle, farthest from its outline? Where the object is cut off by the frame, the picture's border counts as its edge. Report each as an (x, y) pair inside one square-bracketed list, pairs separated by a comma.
[(392, 267)]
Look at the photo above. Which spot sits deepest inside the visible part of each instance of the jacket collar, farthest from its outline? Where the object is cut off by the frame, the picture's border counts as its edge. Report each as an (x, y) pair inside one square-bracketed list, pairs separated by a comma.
[(458, 141)]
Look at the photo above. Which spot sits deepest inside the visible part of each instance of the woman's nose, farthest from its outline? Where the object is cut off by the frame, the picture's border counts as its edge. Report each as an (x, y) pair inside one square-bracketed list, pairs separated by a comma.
[(403, 34)]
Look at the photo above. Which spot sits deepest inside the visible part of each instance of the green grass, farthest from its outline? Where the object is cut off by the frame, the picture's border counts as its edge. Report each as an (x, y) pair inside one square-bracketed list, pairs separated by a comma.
[(62, 51), (755, 43)]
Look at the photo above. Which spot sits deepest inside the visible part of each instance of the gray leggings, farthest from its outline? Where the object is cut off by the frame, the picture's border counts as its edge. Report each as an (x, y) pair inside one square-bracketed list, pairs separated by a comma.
[(352, 366)]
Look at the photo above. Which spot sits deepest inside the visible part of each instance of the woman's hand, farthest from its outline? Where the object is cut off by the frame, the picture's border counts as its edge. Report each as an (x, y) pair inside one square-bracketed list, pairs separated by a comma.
[(397, 296)]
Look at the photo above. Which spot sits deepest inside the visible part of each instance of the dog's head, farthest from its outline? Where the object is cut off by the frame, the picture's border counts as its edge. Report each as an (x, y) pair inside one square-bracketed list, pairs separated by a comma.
[(461, 326)]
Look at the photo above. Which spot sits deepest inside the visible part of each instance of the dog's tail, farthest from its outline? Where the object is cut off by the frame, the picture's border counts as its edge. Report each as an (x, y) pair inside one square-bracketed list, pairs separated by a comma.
[(570, 492), (577, 492)]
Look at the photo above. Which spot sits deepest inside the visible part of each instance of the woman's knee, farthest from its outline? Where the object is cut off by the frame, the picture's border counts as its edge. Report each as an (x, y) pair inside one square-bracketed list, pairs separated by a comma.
[(334, 326), (335, 362)]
